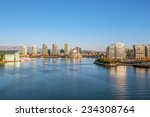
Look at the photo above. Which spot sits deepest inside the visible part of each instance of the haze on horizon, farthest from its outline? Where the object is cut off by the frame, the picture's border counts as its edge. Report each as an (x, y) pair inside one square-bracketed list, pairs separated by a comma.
[(91, 24)]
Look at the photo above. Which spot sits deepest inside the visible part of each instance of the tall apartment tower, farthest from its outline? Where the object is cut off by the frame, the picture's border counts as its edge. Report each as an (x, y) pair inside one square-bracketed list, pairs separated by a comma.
[(66, 49), (34, 50), (120, 51), (130, 53), (24, 51), (110, 52), (139, 52), (54, 49), (44, 50), (147, 51), (116, 51), (78, 49)]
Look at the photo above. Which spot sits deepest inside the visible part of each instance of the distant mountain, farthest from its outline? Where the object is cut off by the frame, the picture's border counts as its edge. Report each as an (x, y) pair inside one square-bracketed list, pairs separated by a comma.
[(19, 48), (10, 47)]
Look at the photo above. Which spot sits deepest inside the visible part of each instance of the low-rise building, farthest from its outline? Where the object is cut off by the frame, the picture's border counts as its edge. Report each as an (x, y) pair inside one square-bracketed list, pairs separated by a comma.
[(74, 54), (9, 55)]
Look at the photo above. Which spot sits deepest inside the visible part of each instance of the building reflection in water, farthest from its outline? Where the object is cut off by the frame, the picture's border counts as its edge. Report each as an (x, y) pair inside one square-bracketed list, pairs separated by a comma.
[(76, 66), (118, 76), (72, 67), (45, 61), (12, 65), (34, 61), (118, 72), (54, 60), (142, 72), (11, 69), (67, 60), (34, 64), (76, 60)]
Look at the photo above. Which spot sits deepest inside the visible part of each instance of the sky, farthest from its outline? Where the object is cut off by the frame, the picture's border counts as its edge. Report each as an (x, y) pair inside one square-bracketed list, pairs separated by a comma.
[(90, 24)]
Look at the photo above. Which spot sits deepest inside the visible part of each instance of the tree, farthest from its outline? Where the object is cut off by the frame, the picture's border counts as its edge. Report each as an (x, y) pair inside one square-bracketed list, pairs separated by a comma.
[(1, 57)]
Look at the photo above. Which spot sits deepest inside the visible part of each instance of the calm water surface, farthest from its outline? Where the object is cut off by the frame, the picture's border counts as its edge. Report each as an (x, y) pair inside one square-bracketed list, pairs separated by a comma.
[(61, 78)]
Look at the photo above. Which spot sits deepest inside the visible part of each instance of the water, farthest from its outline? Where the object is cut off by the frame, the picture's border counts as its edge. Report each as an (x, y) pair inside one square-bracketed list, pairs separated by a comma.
[(61, 78)]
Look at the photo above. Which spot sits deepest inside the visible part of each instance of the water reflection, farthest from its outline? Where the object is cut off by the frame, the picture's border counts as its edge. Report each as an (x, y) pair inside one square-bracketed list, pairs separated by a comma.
[(76, 60), (54, 60), (2, 65), (139, 70), (9, 65), (72, 78), (118, 75), (142, 72), (118, 72), (67, 60), (34, 61), (45, 61)]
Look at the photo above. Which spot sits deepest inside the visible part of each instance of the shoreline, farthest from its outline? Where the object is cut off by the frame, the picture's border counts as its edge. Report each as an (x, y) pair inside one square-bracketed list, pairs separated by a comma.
[(137, 65)]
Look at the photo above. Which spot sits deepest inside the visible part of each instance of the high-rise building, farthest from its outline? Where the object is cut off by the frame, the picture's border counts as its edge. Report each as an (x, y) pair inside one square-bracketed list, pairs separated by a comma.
[(66, 49), (34, 50), (130, 54), (139, 52), (116, 51), (24, 51), (44, 50), (54, 49), (120, 51), (147, 51), (78, 49), (110, 52)]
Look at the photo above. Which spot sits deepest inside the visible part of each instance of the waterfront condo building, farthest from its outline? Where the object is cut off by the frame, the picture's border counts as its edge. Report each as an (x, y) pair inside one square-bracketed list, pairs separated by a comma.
[(44, 50), (129, 53), (78, 49), (54, 50), (139, 52), (24, 51), (66, 49), (116, 51), (147, 48), (110, 52), (34, 50)]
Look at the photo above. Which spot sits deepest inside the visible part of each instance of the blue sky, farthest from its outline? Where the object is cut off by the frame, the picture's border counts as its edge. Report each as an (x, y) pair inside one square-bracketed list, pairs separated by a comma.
[(91, 24)]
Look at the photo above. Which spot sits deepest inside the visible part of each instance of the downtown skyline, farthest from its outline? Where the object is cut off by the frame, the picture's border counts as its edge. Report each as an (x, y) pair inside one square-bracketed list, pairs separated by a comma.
[(91, 24)]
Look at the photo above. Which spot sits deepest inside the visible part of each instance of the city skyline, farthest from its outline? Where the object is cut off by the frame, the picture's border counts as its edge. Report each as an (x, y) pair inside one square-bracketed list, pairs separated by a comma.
[(91, 24)]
